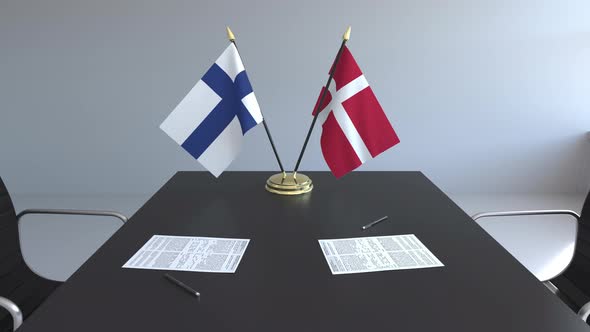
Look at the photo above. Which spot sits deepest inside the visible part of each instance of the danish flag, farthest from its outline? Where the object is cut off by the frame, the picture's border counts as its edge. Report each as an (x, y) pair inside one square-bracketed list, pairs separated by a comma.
[(354, 127)]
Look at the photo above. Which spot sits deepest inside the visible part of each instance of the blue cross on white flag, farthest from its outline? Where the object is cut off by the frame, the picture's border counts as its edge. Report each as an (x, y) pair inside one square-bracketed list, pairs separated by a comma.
[(211, 120)]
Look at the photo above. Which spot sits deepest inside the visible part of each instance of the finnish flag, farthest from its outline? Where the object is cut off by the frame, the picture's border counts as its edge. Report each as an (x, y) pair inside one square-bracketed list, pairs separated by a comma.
[(211, 120)]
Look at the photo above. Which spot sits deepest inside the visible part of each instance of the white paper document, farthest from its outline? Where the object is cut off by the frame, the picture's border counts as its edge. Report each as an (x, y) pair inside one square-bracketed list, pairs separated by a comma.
[(377, 253), (187, 253)]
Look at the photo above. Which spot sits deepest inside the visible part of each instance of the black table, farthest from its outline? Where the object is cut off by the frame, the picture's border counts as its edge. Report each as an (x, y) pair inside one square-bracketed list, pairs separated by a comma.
[(283, 282)]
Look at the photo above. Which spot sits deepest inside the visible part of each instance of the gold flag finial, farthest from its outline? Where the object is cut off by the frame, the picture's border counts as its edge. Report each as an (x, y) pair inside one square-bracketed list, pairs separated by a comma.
[(347, 34), (230, 35)]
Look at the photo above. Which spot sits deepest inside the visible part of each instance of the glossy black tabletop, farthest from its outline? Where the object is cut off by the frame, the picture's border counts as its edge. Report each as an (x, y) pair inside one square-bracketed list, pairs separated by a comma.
[(283, 282)]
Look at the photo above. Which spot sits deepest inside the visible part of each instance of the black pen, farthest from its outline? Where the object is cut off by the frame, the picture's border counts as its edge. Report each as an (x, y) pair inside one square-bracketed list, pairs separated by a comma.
[(373, 223), (182, 285)]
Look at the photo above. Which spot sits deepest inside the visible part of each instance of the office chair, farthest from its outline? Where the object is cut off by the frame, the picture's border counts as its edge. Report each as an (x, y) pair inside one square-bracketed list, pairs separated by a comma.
[(21, 290), (558, 270)]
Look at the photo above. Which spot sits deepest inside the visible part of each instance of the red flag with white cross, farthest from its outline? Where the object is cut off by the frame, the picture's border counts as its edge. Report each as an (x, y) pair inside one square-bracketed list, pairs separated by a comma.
[(354, 127)]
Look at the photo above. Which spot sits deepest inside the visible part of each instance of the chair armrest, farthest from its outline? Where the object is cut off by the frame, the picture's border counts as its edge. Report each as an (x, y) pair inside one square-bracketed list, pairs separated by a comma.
[(525, 213), (73, 212), (14, 310), (584, 311)]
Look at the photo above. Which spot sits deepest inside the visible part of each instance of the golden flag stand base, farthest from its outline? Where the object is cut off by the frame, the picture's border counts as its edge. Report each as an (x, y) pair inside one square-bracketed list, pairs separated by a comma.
[(289, 184)]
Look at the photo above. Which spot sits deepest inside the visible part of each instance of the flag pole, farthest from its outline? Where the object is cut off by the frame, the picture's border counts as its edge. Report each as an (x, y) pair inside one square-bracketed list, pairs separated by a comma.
[(345, 38), (292, 183), (232, 38)]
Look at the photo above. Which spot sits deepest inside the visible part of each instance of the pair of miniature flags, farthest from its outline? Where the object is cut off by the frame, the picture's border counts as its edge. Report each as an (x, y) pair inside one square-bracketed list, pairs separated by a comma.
[(212, 119)]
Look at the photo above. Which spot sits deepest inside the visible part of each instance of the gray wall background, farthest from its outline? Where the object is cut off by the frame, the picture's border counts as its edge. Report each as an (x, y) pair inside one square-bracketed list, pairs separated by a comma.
[(486, 96)]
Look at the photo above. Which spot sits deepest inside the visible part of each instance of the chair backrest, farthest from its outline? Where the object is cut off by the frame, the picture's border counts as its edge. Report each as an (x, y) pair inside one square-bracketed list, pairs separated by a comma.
[(574, 284), (17, 282)]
